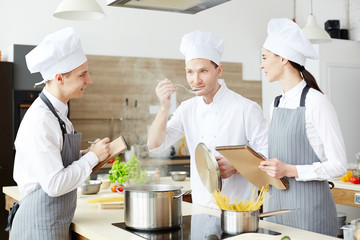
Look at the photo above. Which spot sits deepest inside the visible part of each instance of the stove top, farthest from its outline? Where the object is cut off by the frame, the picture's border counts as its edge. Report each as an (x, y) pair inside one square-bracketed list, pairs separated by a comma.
[(198, 226)]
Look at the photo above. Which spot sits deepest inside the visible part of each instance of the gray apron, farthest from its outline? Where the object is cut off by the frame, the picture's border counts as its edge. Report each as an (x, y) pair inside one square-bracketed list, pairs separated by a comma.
[(289, 143), (40, 216)]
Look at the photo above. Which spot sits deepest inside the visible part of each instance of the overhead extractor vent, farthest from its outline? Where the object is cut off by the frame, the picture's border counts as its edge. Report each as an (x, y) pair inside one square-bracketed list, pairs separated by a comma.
[(180, 6)]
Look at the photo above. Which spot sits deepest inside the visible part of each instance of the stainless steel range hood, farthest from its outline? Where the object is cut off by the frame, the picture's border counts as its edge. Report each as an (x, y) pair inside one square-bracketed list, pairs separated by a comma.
[(180, 6)]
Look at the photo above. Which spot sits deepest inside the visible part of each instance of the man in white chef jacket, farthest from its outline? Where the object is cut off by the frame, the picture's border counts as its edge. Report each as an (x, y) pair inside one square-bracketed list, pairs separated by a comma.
[(216, 116), (48, 164)]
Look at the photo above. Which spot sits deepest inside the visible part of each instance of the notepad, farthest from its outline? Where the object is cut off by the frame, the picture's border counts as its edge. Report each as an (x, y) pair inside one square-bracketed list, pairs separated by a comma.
[(116, 147), (247, 161)]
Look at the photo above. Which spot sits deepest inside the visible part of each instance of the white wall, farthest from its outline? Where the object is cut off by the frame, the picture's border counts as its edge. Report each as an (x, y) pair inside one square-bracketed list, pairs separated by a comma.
[(144, 33)]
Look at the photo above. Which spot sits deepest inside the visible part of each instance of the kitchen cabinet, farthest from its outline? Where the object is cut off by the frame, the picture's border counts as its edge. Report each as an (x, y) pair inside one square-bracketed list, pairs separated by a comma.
[(344, 192), (6, 136)]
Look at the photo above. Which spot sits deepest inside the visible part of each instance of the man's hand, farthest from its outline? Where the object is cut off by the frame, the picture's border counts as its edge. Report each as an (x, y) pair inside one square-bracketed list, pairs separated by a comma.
[(163, 90), (226, 168), (101, 148)]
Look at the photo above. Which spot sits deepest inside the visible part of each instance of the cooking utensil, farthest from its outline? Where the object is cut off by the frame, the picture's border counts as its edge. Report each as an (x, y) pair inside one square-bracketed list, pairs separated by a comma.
[(90, 187), (188, 90), (182, 194), (236, 222), (178, 175), (208, 168), (153, 206)]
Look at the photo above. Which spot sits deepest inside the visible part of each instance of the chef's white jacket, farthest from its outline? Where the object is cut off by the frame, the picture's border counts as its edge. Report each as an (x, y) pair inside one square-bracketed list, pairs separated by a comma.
[(229, 120), (38, 146), (323, 132)]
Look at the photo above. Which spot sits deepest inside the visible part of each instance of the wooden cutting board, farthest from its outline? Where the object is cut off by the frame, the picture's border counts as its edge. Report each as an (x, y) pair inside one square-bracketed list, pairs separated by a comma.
[(112, 205), (116, 147), (247, 162)]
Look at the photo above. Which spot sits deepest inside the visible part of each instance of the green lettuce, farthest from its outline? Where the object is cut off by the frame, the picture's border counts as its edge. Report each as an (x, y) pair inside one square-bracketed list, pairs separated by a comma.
[(121, 172)]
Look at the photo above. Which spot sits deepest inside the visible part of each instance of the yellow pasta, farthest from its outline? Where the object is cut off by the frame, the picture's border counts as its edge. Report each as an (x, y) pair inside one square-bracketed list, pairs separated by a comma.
[(106, 199), (224, 203)]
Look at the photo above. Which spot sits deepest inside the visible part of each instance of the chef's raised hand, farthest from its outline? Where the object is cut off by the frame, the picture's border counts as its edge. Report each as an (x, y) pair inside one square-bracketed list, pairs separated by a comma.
[(278, 169), (101, 148), (163, 90), (226, 168)]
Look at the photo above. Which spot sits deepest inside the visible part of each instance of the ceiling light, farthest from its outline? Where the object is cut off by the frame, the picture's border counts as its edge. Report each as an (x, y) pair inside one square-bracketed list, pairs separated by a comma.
[(314, 32), (79, 10)]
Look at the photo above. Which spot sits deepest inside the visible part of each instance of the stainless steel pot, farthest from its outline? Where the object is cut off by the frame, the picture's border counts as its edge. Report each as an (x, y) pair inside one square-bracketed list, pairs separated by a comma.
[(236, 222), (153, 206)]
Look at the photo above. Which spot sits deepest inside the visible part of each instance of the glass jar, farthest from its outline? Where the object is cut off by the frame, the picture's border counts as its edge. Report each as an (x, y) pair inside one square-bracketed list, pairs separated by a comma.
[(354, 168), (357, 229)]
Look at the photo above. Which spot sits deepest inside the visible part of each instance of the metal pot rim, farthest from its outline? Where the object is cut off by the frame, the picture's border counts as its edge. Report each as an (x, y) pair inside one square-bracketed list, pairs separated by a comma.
[(152, 188)]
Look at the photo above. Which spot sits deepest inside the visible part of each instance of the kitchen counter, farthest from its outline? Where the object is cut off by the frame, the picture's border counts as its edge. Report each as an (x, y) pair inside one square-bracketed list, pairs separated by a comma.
[(91, 222), (344, 192)]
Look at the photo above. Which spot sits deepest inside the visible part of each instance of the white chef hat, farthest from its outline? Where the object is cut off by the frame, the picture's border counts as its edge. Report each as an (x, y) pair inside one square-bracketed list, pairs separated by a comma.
[(200, 44), (59, 52), (286, 39)]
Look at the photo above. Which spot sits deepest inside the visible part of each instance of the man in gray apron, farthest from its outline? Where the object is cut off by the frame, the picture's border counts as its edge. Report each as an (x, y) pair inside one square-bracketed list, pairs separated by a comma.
[(305, 141), (48, 164)]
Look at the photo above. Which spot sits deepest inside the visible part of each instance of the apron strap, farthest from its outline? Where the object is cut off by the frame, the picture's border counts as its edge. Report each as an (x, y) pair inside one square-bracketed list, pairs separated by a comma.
[(303, 95), (11, 216), (302, 99), (277, 101), (52, 109)]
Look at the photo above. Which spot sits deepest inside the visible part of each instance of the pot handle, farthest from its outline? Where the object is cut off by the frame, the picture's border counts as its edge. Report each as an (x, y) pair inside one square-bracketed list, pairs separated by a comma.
[(275, 213), (184, 193)]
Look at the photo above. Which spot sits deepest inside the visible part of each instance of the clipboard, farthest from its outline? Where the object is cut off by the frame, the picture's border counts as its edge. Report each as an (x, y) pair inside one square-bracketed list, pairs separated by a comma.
[(247, 162), (116, 147)]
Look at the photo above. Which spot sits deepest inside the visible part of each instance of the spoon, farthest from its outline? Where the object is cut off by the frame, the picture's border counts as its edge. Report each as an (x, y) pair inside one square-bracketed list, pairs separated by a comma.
[(188, 90)]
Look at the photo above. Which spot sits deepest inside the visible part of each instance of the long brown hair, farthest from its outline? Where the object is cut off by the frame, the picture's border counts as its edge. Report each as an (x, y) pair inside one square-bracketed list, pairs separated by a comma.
[(308, 77)]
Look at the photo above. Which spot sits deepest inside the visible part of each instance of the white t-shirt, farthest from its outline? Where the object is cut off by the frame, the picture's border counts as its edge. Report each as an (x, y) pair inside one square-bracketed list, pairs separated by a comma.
[(323, 132), (229, 120), (38, 146)]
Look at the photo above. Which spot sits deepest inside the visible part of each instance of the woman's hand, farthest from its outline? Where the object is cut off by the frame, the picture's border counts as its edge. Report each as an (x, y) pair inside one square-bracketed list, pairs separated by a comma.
[(226, 168), (163, 90), (278, 169), (101, 148)]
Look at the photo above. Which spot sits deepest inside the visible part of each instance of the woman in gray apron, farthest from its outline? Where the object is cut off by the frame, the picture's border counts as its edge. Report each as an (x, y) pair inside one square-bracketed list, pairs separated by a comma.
[(305, 142), (48, 166)]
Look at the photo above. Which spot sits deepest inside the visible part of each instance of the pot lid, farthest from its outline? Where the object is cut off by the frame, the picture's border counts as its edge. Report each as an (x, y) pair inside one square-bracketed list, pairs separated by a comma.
[(208, 168)]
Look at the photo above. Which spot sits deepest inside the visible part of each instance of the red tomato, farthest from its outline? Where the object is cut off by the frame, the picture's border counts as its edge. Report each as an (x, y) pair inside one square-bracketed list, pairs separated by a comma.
[(355, 180), (113, 188), (120, 189), (112, 160)]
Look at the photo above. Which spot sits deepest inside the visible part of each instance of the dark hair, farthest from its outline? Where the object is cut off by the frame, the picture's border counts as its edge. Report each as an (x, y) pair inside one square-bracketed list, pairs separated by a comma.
[(213, 63), (308, 77)]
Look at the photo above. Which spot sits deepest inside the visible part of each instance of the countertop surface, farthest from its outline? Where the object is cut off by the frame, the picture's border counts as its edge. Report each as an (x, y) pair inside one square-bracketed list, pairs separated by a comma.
[(94, 223), (345, 185)]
